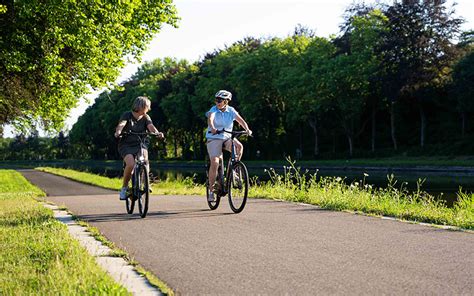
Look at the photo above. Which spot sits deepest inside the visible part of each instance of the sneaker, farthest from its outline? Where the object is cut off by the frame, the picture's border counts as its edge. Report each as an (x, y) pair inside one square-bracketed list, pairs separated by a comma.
[(210, 197), (123, 193), (215, 188)]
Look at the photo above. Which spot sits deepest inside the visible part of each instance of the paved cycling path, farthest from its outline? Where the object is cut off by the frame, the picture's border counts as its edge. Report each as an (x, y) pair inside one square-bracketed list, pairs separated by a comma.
[(273, 247)]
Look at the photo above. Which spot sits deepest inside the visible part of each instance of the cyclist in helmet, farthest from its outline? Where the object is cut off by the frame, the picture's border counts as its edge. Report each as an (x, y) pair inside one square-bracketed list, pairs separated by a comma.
[(219, 117)]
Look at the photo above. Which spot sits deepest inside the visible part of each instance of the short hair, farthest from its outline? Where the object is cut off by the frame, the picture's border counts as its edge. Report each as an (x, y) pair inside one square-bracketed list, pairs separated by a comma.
[(140, 103)]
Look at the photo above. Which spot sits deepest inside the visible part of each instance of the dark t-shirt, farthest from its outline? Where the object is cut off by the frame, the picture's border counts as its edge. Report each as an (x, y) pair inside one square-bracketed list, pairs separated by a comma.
[(129, 144)]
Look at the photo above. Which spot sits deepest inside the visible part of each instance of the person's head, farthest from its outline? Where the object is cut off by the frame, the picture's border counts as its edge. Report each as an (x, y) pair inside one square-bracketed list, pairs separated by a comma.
[(141, 104), (222, 98)]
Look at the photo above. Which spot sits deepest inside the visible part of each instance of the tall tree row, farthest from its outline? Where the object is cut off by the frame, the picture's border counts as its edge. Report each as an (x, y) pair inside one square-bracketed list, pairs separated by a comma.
[(396, 78)]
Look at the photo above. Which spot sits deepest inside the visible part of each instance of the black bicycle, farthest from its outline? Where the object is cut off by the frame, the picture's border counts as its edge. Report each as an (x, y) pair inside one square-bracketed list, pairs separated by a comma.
[(232, 181), (140, 190)]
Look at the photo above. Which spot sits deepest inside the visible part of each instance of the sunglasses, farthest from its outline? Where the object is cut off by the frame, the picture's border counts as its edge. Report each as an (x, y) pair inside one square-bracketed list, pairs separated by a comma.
[(219, 100)]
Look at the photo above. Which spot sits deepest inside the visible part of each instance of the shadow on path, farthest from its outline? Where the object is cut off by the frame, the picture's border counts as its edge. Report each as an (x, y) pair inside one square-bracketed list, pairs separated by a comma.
[(185, 214)]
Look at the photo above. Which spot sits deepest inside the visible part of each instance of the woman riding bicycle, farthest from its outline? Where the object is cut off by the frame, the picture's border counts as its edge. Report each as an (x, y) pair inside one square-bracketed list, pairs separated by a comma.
[(221, 117), (136, 121)]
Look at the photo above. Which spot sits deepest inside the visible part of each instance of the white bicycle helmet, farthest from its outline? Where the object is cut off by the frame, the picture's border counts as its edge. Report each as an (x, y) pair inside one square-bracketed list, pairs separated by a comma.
[(224, 94)]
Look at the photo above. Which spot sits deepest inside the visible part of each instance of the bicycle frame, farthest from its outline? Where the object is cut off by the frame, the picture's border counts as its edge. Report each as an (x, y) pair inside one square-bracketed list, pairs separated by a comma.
[(234, 186), (224, 175), (140, 179), (140, 159)]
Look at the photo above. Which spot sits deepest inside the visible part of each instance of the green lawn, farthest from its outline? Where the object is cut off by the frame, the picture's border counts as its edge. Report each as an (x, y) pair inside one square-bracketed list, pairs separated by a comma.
[(163, 187), (37, 254)]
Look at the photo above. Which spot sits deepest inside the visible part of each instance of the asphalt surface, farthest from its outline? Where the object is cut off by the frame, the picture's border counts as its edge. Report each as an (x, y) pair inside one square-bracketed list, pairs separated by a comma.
[(273, 247)]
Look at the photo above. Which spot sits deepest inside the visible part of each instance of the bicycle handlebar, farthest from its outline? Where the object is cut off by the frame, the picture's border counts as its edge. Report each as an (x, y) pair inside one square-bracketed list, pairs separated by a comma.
[(233, 133), (123, 133), (146, 134)]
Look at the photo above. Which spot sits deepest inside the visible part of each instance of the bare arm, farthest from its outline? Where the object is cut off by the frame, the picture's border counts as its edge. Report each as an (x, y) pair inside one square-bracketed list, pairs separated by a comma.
[(152, 128), (119, 128), (210, 123), (243, 124)]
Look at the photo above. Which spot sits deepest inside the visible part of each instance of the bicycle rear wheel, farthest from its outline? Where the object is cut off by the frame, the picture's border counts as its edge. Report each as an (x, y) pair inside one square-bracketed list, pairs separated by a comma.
[(238, 187), (143, 191), (212, 204)]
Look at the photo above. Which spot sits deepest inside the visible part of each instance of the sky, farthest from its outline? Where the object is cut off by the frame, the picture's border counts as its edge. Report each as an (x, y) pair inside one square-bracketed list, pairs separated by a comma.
[(207, 25)]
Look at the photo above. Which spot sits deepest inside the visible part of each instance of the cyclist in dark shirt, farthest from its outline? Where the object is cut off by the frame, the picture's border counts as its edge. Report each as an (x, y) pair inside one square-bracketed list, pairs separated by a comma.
[(136, 121)]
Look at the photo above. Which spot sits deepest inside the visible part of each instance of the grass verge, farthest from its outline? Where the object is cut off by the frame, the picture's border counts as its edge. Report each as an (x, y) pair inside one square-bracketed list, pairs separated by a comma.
[(38, 256), (330, 193), (116, 252), (185, 186)]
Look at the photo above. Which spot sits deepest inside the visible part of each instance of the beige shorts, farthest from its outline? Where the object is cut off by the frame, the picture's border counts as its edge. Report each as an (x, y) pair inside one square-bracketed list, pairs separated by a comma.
[(214, 147)]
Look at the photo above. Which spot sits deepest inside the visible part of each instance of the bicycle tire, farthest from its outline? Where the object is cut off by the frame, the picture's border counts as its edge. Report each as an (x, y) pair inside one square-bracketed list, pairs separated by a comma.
[(212, 204), (130, 201), (143, 191), (238, 187)]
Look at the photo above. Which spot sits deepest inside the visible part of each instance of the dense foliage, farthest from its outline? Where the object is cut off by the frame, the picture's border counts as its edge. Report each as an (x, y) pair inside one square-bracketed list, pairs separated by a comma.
[(51, 52), (380, 87)]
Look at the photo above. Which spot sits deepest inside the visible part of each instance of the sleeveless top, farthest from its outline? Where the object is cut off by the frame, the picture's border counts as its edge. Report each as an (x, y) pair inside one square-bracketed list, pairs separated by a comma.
[(130, 144)]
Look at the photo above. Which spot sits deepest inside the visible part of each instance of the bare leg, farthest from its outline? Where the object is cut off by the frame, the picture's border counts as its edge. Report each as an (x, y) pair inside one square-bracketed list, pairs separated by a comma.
[(239, 149), (214, 161), (145, 154), (127, 172)]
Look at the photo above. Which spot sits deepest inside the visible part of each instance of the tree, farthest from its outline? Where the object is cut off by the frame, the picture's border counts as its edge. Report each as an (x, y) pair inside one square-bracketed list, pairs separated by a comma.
[(350, 72), (183, 122), (417, 52), (302, 85), (258, 95), (463, 88), (51, 52), (362, 29)]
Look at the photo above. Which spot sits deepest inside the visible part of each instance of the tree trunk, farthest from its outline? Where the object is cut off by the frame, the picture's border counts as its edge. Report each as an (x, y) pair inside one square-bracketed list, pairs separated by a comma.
[(392, 125), (373, 128), (202, 145), (194, 145), (300, 136), (463, 124), (175, 142), (423, 126), (349, 139), (314, 125)]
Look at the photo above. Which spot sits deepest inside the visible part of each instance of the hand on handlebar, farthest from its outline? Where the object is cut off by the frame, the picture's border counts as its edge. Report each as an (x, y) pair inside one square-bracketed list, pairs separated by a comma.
[(159, 135)]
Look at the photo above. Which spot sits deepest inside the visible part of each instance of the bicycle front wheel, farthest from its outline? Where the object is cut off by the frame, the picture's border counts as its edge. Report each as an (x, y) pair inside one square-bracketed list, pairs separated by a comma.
[(143, 191), (238, 187), (130, 201), (214, 204)]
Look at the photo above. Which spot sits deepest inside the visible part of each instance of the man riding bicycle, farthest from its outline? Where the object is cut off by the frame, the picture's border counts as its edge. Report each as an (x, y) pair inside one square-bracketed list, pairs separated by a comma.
[(136, 121), (221, 117)]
